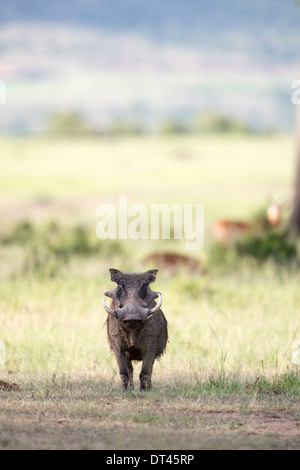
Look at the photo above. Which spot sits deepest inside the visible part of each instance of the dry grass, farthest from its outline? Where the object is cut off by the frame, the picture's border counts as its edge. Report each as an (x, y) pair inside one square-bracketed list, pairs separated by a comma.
[(85, 412)]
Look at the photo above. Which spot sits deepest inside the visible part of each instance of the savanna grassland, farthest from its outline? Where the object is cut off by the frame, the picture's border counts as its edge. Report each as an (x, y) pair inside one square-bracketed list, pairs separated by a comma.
[(226, 381)]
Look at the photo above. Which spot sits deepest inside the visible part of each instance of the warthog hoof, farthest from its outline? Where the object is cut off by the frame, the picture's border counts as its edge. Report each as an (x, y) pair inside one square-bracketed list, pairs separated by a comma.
[(127, 383), (146, 382)]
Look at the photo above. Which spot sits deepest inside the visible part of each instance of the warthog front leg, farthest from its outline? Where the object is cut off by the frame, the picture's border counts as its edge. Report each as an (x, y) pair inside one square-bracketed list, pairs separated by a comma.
[(146, 372), (130, 373), (125, 373)]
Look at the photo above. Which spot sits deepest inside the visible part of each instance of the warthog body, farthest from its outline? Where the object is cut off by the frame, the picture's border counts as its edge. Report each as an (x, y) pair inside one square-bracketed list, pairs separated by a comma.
[(136, 326)]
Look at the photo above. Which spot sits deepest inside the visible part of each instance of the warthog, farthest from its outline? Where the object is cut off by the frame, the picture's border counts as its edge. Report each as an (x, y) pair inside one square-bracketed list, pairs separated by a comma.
[(136, 326)]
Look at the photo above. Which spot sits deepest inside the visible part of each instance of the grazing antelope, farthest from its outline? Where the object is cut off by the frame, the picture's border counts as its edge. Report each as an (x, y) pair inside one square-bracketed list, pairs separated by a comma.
[(174, 262), (227, 231), (274, 214)]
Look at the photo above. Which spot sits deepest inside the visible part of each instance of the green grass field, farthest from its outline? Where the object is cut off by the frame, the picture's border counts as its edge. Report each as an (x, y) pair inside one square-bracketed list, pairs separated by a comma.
[(226, 381)]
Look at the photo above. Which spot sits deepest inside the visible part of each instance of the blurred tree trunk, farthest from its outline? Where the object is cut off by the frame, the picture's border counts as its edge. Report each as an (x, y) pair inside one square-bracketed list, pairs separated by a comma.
[(295, 219)]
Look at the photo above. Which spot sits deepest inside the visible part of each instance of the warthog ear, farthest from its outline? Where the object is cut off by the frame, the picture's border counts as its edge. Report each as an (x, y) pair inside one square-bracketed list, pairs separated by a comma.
[(115, 275), (150, 276)]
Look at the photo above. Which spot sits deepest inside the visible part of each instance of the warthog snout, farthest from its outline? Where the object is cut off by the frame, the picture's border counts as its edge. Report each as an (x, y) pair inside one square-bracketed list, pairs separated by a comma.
[(132, 313), (136, 326), (135, 309)]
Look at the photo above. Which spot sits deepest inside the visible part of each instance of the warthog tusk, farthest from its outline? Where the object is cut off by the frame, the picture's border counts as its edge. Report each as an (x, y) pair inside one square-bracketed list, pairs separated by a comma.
[(157, 306), (112, 312)]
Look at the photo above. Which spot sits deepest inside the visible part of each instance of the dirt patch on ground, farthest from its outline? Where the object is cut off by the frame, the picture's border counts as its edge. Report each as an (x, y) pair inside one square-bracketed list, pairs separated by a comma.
[(235, 431), (278, 423), (259, 423)]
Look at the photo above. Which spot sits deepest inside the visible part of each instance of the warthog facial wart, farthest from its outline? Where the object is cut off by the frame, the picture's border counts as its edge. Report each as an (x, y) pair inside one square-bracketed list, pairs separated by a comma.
[(136, 325), (137, 222)]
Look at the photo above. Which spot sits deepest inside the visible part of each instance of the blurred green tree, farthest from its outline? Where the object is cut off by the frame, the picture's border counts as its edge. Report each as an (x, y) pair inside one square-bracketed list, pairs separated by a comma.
[(124, 127), (172, 126), (215, 123), (68, 123)]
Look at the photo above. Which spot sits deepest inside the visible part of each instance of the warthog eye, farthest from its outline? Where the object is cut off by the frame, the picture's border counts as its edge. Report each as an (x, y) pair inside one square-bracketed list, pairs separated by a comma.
[(143, 291), (121, 291)]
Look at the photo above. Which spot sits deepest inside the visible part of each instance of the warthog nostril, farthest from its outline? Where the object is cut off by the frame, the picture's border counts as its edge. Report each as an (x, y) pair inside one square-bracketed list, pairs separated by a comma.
[(132, 323)]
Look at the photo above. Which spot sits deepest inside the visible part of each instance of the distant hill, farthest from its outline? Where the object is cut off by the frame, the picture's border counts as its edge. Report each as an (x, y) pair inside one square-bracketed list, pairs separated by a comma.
[(112, 58), (190, 21)]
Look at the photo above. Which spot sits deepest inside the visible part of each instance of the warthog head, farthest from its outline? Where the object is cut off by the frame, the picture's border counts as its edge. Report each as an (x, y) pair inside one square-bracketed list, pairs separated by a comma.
[(133, 300)]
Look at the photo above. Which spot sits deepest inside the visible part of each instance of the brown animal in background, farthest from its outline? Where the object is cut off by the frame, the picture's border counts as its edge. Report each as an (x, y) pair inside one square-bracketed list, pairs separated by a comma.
[(274, 214), (173, 262), (227, 231), (136, 326)]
